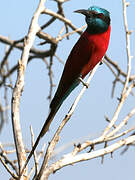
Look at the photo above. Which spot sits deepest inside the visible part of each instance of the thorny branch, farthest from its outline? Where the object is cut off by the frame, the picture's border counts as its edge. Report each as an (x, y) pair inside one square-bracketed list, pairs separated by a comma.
[(29, 53)]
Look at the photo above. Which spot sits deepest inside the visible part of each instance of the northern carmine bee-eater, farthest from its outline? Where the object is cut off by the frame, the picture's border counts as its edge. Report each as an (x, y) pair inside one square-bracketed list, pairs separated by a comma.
[(86, 53)]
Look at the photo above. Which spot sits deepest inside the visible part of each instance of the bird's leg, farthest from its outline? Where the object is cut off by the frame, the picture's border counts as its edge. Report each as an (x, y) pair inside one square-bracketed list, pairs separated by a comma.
[(101, 62), (84, 83)]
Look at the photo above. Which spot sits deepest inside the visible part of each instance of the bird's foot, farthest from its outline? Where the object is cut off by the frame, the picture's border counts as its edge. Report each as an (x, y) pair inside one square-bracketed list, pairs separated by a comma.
[(101, 63), (84, 83)]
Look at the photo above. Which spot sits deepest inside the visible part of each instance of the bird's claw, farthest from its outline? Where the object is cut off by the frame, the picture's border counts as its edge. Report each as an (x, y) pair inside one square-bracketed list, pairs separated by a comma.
[(101, 63), (84, 83)]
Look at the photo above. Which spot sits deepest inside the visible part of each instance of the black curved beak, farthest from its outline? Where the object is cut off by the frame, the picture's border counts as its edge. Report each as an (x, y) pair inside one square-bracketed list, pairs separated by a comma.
[(84, 12)]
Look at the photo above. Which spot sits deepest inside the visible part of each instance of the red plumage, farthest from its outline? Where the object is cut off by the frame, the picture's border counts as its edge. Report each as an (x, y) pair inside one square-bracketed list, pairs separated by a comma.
[(86, 53), (98, 44)]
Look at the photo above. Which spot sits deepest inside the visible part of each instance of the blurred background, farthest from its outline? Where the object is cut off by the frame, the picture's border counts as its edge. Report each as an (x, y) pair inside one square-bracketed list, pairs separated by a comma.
[(88, 119)]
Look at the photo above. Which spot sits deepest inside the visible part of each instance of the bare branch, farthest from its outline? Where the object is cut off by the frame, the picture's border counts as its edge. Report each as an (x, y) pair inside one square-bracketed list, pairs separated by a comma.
[(41, 153), (70, 159), (20, 46), (34, 28), (124, 122), (7, 168), (125, 91), (83, 149), (68, 22), (115, 65)]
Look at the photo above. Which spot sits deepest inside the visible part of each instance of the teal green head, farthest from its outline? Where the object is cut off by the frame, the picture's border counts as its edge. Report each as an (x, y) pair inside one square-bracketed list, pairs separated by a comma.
[(97, 19)]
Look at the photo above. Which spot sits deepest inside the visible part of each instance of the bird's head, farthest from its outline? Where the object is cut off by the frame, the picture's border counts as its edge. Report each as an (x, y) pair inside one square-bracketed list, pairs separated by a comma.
[(97, 19)]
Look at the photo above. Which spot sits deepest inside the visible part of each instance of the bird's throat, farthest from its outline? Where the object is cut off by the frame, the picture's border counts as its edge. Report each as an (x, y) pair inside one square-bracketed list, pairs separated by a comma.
[(96, 30)]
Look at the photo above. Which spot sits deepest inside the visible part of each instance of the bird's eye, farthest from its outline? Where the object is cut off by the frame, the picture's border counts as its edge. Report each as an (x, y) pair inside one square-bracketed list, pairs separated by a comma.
[(100, 15)]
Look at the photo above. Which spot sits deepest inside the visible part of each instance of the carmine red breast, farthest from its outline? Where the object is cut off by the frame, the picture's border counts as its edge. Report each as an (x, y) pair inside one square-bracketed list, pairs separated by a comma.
[(98, 49)]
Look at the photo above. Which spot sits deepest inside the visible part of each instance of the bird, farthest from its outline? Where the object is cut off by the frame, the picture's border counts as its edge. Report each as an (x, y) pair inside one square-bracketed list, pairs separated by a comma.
[(86, 53)]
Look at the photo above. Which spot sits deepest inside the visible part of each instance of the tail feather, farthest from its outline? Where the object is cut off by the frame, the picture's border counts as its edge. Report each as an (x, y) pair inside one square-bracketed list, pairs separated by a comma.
[(44, 129), (54, 106), (47, 123)]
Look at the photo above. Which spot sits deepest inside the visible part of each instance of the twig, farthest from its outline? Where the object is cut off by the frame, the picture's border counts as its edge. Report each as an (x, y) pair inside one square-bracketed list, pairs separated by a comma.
[(59, 4), (125, 120), (129, 57), (68, 22), (125, 91), (50, 78), (59, 59), (70, 159), (89, 143), (7, 168), (34, 28), (13, 69), (70, 33), (38, 158), (3, 154), (3, 62), (8, 161), (115, 65), (2, 120), (20, 46), (118, 109)]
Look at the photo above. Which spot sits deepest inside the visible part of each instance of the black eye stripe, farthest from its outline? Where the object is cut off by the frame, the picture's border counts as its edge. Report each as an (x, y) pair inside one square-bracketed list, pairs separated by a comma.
[(103, 17), (95, 14)]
